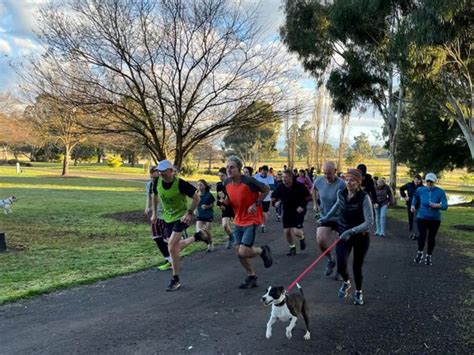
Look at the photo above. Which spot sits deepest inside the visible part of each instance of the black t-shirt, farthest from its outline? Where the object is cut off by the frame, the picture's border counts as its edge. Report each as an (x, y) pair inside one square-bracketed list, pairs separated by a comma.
[(297, 195), (184, 187)]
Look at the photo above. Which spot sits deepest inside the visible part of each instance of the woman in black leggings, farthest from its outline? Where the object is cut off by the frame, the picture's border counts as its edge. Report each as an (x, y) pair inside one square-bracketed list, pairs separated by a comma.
[(356, 217)]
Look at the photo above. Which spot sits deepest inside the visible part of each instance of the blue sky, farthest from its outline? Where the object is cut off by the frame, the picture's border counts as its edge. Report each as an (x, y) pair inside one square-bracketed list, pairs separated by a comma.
[(17, 39)]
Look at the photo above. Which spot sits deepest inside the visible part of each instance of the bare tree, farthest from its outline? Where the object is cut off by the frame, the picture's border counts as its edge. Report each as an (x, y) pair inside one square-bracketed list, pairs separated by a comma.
[(56, 122), (321, 122), (171, 72)]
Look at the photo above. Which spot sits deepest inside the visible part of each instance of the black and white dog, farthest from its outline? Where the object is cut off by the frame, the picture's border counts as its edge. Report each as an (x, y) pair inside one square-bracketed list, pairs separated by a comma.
[(7, 203), (286, 307)]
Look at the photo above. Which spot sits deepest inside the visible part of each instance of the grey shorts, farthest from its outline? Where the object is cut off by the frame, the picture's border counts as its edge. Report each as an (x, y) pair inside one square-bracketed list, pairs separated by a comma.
[(245, 235)]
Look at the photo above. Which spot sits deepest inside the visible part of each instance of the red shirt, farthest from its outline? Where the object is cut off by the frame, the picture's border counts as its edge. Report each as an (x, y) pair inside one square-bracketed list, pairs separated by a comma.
[(241, 196)]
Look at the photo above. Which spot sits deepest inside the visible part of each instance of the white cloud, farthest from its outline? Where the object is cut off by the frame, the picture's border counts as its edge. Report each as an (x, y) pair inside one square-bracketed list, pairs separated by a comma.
[(24, 43), (5, 47)]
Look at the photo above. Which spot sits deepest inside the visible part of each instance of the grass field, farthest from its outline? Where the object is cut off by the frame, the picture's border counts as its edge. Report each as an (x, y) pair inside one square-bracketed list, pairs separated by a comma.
[(58, 237)]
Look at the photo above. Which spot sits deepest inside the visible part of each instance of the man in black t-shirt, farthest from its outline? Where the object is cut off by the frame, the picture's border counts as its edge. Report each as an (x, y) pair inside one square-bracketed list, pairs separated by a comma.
[(294, 197)]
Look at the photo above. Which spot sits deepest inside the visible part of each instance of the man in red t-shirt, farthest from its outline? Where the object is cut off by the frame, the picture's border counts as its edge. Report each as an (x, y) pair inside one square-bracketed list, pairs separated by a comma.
[(245, 195)]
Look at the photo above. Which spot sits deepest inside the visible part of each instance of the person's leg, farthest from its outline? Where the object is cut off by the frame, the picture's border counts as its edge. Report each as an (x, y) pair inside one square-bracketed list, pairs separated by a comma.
[(343, 249), (361, 246), (377, 221), (432, 232), (157, 236), (383, 215), (410, 220), (422, 230)]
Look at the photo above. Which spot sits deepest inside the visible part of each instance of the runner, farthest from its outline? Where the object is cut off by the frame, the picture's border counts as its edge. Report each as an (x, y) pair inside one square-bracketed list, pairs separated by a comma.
[(432, 200), (279, 208), (303, 178), (227, 211), (172, 192), (406, 192), (157, 226), (325, 190), (368, 184), (268, 180), (384, 200), (248, 171), (294, 197), (205, 211), (356, 219), (245, 195)]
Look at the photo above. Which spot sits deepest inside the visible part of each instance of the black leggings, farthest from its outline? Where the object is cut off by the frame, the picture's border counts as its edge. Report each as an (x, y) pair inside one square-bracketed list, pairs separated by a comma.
[(411, 216), (427, 228), (163, 246), (360, 243)]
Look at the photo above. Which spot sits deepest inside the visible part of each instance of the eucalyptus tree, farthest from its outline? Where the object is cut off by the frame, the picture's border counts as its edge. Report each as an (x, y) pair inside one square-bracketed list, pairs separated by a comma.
[(355, 42)]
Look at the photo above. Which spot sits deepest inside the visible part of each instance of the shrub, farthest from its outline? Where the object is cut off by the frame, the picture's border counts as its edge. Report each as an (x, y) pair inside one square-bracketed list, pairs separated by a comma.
[(114, 161)]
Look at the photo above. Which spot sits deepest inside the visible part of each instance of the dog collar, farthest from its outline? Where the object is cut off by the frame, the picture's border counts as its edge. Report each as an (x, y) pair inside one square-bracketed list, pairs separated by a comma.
[(283, 301)]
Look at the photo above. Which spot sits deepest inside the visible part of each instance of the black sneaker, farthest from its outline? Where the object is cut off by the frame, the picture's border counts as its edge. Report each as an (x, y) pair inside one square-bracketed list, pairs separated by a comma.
[(249, 282), (329, 267), (418, 257), (358, 299), (428, 260), (173, 286), (302, 244), (202, 237), (292, 251), (266, 256)]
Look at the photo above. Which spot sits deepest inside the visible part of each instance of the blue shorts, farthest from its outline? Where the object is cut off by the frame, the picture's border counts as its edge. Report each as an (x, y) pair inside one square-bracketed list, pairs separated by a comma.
[(245, 235)]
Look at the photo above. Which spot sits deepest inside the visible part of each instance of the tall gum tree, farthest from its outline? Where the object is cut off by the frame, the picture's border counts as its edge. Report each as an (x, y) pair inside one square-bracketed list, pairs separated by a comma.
[(355, 40)]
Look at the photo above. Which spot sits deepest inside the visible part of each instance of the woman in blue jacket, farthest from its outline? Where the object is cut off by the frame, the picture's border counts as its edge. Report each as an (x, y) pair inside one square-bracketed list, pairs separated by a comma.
[(432, 200)]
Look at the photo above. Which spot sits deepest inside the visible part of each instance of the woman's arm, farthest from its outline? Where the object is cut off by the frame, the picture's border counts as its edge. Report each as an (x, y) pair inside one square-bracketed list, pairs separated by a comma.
[(368, 217)]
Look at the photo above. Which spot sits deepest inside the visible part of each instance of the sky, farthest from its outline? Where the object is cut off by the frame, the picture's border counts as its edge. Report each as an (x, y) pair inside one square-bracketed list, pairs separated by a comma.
[(17, 40)]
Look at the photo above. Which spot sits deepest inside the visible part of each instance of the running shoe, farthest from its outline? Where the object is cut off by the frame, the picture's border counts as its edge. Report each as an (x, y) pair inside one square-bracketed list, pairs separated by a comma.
[(344, 290), (202, 237), (292, 251), (249, 282), (262, 228), (165, 266), (358, 299), (302, 244), (428, 260), (266, 256), (414, 237), (278, 218), (174, 285), (418, 257), (229, 243), (210, 247), (329, 267)]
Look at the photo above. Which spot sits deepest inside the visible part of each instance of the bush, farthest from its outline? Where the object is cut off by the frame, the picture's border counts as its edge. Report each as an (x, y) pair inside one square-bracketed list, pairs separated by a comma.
[(114, 161), (188, 167), (13, 162)]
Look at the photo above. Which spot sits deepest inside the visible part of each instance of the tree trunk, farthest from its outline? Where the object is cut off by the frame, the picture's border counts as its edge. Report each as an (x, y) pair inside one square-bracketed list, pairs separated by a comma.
[(67, 151), (342, 140), (133, 159), (394, 141), (468, 134), (98, 151)]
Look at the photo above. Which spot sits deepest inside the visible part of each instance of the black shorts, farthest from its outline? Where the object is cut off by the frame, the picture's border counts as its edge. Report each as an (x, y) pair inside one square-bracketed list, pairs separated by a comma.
[(205, 219), (266, 206), (293, 220), (176, 226), (330, 224), (228, 212)]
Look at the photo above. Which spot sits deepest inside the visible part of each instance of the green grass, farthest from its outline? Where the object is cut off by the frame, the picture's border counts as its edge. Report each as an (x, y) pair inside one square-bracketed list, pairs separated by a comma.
[(57, 235)]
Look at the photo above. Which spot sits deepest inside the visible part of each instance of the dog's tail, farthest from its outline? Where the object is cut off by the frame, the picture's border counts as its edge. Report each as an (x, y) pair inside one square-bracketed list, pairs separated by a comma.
[(300, 288)]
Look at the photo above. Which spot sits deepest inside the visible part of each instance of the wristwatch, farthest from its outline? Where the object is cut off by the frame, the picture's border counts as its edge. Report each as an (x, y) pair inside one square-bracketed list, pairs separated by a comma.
[(190, 212)]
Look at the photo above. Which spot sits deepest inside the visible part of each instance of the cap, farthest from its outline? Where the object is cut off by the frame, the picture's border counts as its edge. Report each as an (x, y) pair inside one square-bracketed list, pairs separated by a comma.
[(431, 177), (164, 165), (153, 168)]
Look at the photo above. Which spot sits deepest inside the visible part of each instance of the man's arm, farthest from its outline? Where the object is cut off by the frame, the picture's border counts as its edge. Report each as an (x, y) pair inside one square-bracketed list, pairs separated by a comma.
[(190, 212)]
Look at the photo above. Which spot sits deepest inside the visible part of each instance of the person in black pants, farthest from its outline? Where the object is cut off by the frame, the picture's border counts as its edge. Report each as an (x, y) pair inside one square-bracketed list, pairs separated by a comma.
[(407, 192), (368, 183), (356, 212)]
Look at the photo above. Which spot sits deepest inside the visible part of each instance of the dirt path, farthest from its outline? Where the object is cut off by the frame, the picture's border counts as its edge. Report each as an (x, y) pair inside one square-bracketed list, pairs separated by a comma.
[(409, 308)]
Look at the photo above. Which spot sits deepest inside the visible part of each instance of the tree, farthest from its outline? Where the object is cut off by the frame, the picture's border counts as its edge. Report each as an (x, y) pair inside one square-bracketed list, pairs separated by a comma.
[(305, 142), (355, 41), (362, 146), (57, 123), (255, 142), (440, 37), (321, 122), (342, 140), (429, 142), (171, 72)]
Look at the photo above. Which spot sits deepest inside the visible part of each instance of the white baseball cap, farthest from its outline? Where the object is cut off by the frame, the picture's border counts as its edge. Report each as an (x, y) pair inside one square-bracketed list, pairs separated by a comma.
[(431, 177), (164, 165)]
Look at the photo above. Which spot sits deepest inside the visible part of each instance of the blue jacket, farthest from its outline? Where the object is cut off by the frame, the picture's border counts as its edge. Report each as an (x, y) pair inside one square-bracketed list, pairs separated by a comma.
[(425, 195)]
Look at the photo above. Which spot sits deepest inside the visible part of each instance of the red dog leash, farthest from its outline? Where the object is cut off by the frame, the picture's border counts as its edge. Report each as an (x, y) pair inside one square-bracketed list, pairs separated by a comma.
[(313, 264)]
